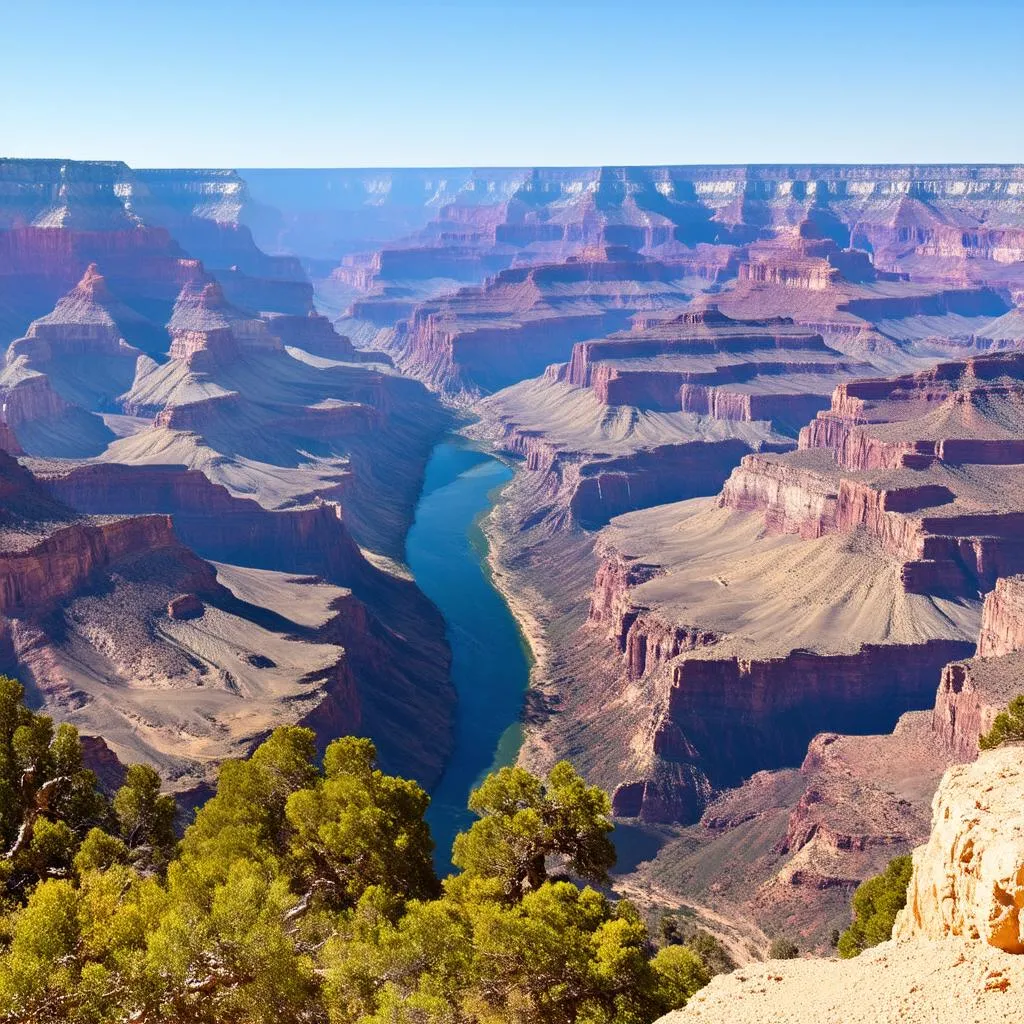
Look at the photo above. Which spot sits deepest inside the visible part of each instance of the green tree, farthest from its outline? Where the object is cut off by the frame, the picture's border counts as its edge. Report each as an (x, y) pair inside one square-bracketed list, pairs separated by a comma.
[(1007, 727), (681, 972), (713, 955), (357, 827), (876, 903), (247, 817), (560, 955), (524, 821), (145, 817), (48, 799)]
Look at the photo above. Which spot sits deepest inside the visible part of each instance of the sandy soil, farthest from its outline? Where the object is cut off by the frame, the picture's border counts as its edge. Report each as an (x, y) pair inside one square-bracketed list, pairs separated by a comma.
[(904, 983), (722, 572)]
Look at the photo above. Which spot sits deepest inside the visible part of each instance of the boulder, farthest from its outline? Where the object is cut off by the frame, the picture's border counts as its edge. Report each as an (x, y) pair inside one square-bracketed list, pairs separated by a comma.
[(185, 606)]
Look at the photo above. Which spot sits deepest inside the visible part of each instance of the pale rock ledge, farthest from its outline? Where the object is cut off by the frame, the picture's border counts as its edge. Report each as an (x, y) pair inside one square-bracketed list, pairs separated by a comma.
[(956, 956)]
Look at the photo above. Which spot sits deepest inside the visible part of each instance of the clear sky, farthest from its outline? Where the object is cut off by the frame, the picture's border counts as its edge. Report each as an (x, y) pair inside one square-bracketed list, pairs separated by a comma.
[(312, 83)]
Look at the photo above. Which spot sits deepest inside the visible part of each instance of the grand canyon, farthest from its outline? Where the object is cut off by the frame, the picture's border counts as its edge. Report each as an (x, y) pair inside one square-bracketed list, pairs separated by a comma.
[(707, 479)]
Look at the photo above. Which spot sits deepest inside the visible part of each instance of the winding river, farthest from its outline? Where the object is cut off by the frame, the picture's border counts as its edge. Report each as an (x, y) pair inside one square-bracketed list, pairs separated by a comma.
[(447, 553)]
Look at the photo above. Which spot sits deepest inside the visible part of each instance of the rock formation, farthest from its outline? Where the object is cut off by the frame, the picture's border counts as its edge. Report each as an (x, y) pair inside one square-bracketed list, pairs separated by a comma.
[(955, 952), (482, 339), (193, 397), (968, 880)]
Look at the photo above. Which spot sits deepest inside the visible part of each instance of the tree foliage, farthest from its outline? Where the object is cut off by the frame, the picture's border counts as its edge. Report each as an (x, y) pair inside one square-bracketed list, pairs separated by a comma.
[(706, 947), (307, 894), (1008, 726), (876, 903), (524, 822)]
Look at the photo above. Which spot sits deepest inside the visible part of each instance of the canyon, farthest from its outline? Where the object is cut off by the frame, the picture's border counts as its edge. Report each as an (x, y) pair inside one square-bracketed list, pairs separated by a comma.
[(763, 532)]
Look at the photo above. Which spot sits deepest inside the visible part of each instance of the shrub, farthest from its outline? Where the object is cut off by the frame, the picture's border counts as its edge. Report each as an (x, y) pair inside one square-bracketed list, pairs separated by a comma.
[(783, 949), (875, 906)]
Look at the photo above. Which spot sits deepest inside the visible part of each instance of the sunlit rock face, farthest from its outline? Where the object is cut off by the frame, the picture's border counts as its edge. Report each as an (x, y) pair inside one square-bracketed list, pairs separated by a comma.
[(968, 879)]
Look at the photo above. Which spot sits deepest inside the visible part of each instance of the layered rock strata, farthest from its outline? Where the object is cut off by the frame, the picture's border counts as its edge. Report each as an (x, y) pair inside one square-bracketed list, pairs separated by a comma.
[(709, 364), (92, 620), (482, 339), (928, 464)]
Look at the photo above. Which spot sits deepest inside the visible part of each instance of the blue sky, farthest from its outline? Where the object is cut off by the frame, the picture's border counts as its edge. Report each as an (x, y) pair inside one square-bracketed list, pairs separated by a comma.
[(309, 83)]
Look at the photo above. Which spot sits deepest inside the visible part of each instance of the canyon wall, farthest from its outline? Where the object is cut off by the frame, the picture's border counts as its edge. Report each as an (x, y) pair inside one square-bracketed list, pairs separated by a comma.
[(968, 879)]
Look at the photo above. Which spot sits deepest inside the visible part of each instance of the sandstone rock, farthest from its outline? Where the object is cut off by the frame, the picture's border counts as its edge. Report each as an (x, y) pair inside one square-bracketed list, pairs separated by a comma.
[(184, 607), (1002, 620), (968, 880)]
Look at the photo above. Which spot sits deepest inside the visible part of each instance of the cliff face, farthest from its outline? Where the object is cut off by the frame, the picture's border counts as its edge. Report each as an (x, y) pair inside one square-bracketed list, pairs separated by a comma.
[(46, 573), (215, 522), (786, 848), (942, 400), (955, 952), (1002, 623), (972, 693), (968, 880), (482, 339)]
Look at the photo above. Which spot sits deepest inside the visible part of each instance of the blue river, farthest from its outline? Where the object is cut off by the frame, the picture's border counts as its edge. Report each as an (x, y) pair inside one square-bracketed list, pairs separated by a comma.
[(447, 553)]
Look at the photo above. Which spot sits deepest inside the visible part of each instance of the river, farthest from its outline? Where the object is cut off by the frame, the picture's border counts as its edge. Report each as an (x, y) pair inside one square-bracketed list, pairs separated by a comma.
[(447, 553)]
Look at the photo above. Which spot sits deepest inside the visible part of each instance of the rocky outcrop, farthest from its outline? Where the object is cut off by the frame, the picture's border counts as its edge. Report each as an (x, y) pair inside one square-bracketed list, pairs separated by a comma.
[(955, 951), (206, 329), (43, 574), (1002, 622), (310, 539), (86, 321), (313, 333), (26, 397), (952, 391), (185, 607), (968, 880), (646, 641), (971, 693)]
